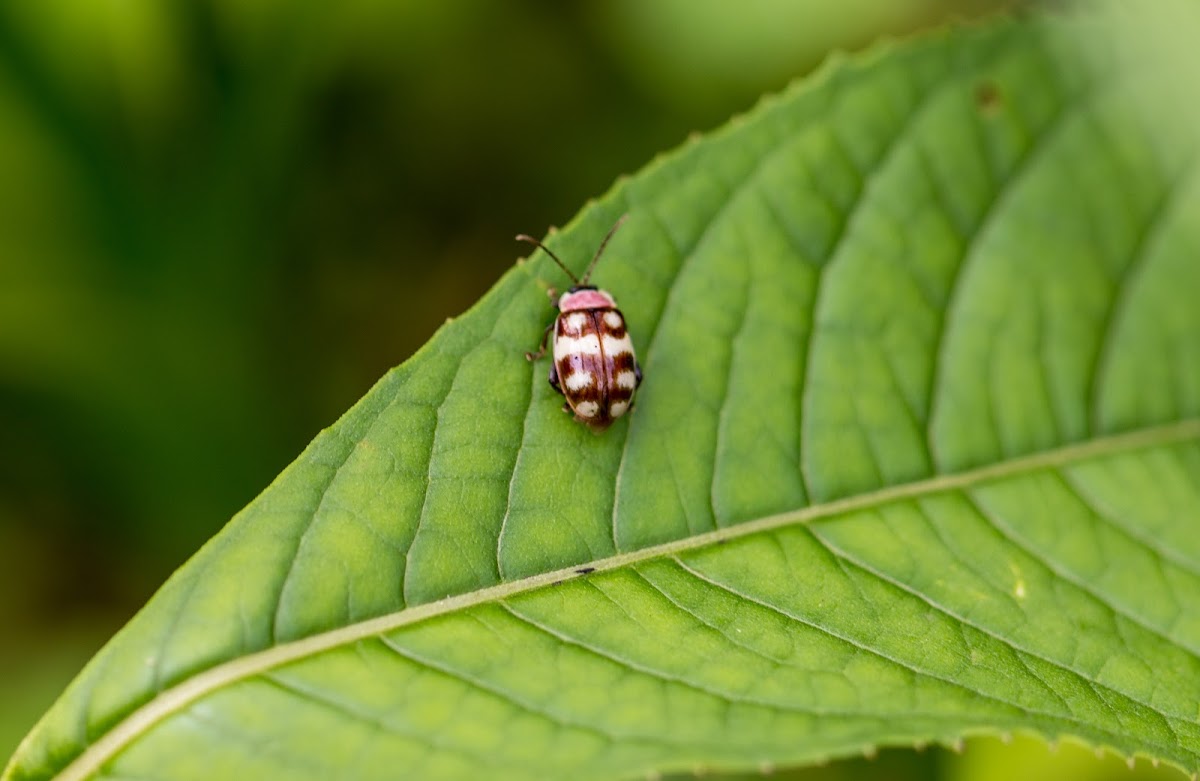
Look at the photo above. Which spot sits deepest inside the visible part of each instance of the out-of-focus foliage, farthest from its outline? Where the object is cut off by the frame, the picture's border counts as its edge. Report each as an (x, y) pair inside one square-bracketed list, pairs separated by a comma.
[(696, 53), (1031, 759), (209, 212)]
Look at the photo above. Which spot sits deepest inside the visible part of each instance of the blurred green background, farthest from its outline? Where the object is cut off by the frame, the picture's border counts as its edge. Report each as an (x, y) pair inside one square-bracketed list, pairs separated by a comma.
[(221, 222)]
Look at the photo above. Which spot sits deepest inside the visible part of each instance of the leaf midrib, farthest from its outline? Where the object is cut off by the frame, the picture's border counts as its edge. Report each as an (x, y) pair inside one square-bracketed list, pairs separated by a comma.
[(176, 698)]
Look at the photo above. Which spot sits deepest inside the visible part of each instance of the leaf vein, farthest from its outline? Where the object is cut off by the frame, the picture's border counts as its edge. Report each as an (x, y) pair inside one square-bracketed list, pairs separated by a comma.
[(1076, 487), (966, 622), (1070, 108), (224, 674), (1153, 230), (1069, 719), (1011, 536)]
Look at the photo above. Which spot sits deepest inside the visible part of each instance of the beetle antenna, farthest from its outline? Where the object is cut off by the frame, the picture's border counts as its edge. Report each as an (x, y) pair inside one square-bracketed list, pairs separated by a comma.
[(603, 244), (544, 248)]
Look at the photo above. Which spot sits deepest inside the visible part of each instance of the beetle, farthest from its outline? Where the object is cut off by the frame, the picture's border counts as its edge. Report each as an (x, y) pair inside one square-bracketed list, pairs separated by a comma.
[(594, 366)]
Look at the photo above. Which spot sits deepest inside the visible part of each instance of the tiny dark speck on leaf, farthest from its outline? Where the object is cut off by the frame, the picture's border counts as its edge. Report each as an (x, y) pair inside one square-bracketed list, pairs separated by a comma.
[(988, 97), (584, 570)]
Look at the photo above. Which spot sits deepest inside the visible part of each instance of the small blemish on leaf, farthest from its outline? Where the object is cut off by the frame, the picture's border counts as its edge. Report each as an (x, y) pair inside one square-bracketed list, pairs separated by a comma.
[(585, 570), (988, 97), (1018, 590)]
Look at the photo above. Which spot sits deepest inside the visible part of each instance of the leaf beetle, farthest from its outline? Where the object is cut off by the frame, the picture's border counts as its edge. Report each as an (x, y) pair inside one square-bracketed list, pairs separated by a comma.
[(594, 365)]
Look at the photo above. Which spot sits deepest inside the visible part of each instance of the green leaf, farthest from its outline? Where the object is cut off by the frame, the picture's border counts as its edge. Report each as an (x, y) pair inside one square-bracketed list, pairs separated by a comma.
[(915, 457)]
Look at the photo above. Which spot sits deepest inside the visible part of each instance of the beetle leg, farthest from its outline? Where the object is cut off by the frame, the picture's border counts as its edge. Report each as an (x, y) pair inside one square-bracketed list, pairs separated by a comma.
[(541, 350), (637, 373), (551, 293), (554, 377), (566, 407)]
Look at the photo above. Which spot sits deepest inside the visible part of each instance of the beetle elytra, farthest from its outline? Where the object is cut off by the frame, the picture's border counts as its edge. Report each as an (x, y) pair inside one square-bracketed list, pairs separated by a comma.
[(594, 365)]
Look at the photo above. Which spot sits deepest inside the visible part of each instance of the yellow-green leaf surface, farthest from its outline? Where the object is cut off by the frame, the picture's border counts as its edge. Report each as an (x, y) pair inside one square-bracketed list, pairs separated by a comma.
[(916, 456)]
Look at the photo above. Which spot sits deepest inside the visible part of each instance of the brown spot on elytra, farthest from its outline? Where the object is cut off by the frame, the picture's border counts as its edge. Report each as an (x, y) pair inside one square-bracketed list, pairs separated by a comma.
[(621, 362), (617, 393), (577, 364)]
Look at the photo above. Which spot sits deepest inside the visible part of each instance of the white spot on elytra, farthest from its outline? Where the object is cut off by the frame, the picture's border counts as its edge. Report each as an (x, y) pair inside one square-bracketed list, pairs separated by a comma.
[(617, 408), (584, 345), (587, 409), (627, 380), (576, 321), (613, 320), (577, 381), (614, 346)]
